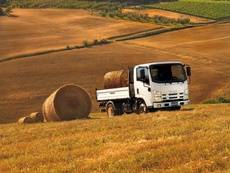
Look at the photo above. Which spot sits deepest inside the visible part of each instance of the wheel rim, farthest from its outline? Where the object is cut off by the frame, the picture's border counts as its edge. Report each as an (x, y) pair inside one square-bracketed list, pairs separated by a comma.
[(142, 108)]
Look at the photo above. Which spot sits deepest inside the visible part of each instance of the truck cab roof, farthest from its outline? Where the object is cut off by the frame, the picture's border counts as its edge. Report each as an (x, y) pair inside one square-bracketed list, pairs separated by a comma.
[(161, 62)]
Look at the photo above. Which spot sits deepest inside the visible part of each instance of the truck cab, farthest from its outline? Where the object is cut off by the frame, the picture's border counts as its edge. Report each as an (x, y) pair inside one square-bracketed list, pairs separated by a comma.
[(162, 84), (157, 85)]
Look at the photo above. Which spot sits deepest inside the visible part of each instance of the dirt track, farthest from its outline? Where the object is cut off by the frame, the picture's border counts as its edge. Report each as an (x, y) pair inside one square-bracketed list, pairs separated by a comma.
[(25, 83), (34, 30)]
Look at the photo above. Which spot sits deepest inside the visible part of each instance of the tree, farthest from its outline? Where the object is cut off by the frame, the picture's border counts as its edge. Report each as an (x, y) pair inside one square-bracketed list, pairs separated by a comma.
[(1, 12)]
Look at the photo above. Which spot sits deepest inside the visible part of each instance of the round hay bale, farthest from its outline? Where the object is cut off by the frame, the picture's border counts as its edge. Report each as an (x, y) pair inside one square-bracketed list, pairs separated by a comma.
[(116, 79), (37, 116), (67, 103), (26, 120)]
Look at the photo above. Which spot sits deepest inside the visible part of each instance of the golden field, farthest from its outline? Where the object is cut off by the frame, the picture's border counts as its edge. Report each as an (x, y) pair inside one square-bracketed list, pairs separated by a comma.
[(26, 82), (41, 29), (195, 139)]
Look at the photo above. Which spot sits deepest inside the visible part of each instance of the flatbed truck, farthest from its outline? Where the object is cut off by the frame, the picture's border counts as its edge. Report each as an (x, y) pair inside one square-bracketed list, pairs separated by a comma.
[(151, 86)]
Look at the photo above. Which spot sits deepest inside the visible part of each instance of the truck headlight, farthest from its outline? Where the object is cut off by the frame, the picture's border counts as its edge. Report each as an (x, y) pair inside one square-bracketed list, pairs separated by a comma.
[(157, 96), (186, 94)]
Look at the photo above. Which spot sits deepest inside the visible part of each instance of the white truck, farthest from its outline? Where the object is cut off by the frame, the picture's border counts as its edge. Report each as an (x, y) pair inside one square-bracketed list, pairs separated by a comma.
[(152, 86)]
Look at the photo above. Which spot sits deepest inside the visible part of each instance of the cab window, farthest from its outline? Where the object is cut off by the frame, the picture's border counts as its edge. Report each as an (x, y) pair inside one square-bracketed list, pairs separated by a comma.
[(142, 74)]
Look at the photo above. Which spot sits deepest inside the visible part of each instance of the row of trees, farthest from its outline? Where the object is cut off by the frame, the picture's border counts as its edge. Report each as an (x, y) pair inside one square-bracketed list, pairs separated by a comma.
[(5, 11), (145, 18)]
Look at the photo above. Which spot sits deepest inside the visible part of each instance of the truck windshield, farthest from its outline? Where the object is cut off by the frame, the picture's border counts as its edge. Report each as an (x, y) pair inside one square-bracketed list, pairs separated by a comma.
[(167, 73)]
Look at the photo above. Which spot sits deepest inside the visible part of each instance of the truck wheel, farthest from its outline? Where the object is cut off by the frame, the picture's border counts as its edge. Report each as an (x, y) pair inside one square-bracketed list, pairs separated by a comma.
[(110, 110), (119, 111), (142, 108)]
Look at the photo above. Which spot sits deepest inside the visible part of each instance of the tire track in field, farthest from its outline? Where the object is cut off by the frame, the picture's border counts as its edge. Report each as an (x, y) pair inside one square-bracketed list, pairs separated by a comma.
[(198, 58), (199, 41)]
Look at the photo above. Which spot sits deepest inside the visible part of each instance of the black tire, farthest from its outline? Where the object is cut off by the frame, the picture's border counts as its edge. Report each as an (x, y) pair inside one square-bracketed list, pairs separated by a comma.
[(141, 108), (119, 110)]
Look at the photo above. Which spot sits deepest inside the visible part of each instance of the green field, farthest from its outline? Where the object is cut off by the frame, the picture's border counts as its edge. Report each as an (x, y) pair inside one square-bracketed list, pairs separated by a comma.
[(193, 140), (204, 8)]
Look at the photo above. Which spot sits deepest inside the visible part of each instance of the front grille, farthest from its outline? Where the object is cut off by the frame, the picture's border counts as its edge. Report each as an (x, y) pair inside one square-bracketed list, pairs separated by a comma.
[(172, 96)]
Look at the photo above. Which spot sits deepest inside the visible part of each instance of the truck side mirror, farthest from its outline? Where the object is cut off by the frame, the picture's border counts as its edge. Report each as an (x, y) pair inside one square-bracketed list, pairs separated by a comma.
[(189, 71)]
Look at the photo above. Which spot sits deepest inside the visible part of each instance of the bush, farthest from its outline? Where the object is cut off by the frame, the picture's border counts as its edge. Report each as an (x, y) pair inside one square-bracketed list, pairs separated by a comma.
[(104, 41), (184, 21), (85, 43), (1, 12), (217, 100), (8, 10), (68, 47), (95, 42), (145, 18)]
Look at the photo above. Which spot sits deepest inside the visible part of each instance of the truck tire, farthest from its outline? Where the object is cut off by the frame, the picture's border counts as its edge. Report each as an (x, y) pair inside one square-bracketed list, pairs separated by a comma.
[(142, 108), (119, 110)]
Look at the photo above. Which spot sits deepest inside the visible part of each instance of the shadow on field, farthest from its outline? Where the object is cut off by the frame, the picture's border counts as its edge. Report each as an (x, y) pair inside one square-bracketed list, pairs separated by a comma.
[(187, 109)]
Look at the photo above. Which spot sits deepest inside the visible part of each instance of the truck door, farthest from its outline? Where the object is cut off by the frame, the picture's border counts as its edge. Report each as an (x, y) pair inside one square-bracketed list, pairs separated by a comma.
[(142, 85)]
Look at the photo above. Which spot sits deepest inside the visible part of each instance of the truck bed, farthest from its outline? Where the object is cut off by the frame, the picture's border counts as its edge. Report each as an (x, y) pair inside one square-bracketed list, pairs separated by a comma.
[(112, 94)]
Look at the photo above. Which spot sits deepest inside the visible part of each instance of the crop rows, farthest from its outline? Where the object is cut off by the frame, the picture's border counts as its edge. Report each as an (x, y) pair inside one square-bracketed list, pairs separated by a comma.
[(208, 9)]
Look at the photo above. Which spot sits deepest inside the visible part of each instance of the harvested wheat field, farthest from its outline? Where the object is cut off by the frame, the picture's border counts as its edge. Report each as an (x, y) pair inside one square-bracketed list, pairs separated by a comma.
[(169, 14), (27, 82), (41, 29), (195, 139)]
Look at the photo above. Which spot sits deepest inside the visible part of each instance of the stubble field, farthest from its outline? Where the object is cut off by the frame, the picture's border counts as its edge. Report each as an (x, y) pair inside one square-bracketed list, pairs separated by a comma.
[(33, 30), (195, 139), (26, 82)]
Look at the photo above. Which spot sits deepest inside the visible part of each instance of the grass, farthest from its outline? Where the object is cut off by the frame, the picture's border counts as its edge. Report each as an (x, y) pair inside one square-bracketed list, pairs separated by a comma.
[(195, 139), (217, 100), (204, 8)]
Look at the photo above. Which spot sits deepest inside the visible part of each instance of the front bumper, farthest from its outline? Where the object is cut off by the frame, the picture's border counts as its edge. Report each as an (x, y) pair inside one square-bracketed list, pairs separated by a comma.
[(170, 104)]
